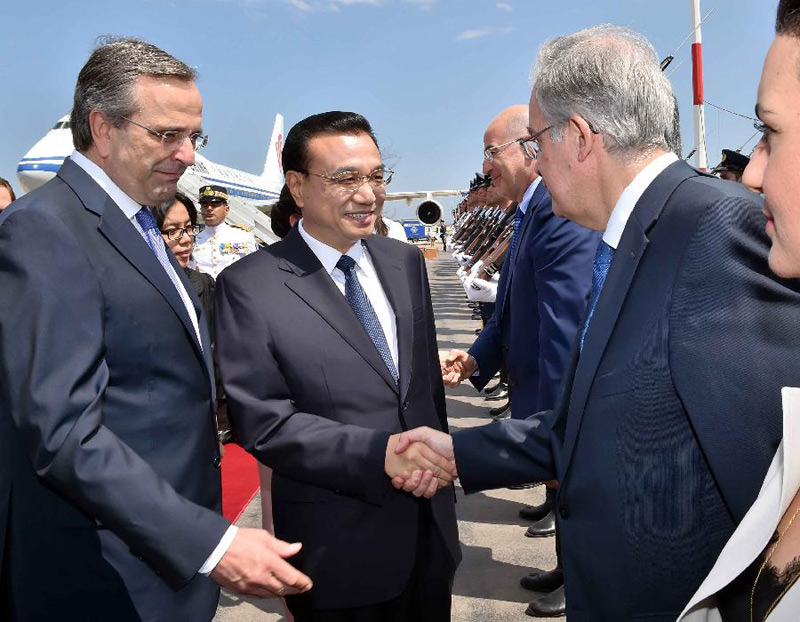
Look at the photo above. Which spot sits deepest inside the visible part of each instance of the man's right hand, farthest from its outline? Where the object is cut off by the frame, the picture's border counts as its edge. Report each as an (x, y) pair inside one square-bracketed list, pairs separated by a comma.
[(254, 565), (457, 367)]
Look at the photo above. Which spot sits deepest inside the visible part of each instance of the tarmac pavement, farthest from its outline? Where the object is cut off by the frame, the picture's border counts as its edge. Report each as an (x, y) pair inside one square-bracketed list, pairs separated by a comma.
[(496, 553)]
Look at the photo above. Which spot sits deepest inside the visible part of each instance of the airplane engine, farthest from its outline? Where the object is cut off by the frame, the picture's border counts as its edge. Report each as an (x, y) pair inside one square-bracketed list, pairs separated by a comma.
[(429, 212)]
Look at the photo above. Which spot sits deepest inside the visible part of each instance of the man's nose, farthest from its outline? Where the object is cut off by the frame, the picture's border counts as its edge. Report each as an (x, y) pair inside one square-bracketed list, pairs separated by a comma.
[(185, 153)]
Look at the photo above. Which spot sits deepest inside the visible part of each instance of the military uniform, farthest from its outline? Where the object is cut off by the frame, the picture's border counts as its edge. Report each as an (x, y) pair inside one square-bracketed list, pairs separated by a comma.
[(218, 247)]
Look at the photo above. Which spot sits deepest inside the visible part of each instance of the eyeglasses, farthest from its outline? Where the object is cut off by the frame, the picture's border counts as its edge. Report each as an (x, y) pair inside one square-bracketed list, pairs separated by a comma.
[(350, 182), (531, 145), (490, 152), (172, 140), (177, 234)]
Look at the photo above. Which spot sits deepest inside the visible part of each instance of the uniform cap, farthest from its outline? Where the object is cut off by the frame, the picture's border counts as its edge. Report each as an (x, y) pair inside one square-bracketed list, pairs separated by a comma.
[(211, 194)]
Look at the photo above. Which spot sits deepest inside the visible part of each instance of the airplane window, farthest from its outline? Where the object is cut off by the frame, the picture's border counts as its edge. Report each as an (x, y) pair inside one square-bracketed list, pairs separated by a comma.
[(57, 126)]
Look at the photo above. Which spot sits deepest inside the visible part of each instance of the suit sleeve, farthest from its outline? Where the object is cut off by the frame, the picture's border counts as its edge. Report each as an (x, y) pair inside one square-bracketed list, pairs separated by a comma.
[(563, 278), (506, 453), (734, 342), (54, 378), (307, 447), (488, 347)]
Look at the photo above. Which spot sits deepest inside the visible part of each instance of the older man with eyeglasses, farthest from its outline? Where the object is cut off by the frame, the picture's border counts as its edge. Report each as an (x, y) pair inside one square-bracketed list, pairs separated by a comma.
[(110, 494), (541, 296)]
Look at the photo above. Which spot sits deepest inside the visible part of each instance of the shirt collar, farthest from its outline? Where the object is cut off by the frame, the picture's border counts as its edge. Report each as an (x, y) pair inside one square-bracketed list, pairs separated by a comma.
[(327, 255), (526, 198), (128, 206), (631, 195)]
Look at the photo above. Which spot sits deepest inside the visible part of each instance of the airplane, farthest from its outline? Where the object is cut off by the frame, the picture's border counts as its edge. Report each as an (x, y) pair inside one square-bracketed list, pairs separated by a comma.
[(250, 196)]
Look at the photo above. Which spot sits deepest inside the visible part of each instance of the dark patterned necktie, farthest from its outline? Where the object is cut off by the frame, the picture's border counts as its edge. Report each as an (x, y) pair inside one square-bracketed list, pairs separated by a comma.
[(358, 301), (602, 262)]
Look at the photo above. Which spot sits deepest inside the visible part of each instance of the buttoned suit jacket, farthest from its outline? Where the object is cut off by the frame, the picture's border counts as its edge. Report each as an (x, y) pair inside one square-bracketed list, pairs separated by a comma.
[(540, 303), (310, 397), (111, 466), (755, 531), (668, 419)]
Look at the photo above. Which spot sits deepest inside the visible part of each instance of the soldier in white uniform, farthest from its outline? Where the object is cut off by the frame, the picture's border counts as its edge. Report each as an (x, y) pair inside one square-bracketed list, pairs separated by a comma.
[(220, 244)]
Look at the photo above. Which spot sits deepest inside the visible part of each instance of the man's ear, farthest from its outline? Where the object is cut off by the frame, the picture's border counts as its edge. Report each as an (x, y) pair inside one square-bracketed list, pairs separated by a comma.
[(101, 130), (586, 139), (295, 182)]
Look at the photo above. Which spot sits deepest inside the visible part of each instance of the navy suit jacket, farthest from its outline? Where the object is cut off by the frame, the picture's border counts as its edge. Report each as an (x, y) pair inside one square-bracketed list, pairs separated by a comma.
[(311, 397), (669, 418), (540, 302), (108, 454)]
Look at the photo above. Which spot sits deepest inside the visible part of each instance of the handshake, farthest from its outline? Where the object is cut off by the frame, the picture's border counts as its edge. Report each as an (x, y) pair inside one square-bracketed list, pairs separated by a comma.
[(421, 461)]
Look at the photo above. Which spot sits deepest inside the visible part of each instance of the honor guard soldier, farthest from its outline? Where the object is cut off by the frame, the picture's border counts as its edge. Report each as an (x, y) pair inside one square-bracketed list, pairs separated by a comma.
[(732, 165), (220, 244)]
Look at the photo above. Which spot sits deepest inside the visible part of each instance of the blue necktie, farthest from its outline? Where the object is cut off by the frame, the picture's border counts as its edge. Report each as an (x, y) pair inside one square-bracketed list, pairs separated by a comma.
[(358, 301), (156, 243), (515, 236), (602, 262)]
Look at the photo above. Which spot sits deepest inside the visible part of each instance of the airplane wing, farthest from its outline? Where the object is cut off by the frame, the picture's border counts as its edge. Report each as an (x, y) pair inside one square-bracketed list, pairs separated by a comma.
[(408, 197)]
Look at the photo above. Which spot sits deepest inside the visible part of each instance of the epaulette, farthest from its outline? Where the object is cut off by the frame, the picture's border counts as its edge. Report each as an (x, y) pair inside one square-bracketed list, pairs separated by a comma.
[(242, 227)]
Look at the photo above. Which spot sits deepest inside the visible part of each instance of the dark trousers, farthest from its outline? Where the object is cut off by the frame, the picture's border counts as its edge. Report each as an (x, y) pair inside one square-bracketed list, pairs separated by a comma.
[(426, 597)]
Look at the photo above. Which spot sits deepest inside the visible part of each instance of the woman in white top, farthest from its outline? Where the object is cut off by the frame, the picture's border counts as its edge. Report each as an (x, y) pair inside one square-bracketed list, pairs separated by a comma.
[(757, 575)]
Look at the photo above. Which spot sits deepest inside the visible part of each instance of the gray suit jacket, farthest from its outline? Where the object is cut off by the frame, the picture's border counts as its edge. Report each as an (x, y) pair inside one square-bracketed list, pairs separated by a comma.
[(112, 465)]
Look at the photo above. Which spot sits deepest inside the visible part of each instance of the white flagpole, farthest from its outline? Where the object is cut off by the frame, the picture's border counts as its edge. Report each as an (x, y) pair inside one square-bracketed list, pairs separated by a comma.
[(701, 157)]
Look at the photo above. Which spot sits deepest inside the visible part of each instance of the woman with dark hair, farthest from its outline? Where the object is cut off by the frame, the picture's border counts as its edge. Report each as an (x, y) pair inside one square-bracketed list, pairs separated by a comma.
[(757, 575), (178, 226)]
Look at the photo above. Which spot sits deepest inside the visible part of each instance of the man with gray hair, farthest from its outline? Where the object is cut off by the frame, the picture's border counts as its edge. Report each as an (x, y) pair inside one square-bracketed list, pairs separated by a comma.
[(661, 437), (110, 492)]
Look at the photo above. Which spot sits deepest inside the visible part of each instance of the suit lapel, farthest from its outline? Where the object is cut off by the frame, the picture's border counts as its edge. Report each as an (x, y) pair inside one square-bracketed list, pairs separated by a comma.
[(629, 252), (119, 231), (395, 285), (314, 286)]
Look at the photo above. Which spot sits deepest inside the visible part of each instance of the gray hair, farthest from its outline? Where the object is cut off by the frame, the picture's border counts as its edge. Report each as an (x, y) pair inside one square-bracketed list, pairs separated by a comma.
[(106, 82), (611, 77)]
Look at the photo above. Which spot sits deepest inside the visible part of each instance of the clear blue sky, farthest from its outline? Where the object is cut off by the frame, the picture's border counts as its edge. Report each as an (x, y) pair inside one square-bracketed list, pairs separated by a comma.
[(428, 74)]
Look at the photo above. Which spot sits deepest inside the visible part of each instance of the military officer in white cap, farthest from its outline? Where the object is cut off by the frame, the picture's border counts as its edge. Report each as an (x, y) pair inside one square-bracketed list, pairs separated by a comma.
[(220, 244)]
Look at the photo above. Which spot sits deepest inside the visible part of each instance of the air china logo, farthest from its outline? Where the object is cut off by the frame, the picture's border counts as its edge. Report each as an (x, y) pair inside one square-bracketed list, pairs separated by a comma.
[(279, 148)]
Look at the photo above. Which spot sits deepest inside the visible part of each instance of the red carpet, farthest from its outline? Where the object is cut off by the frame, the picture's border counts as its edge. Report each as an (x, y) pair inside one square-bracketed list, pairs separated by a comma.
[(239, 481)]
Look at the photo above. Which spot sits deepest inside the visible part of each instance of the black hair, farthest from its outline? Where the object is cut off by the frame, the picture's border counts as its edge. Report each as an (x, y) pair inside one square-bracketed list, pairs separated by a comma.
[(160, 211), (281, 213), (787, 21)]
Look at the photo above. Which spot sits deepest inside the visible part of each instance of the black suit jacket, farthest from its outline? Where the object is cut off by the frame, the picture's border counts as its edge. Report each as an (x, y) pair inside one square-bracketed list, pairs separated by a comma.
[(310, 396), (111, 464), (669, 417)]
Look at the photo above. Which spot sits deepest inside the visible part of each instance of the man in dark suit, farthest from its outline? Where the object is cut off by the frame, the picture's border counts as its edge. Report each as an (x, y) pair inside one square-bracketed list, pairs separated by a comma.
[(662, 434), (327, 348), (541, 298), (108, 452)]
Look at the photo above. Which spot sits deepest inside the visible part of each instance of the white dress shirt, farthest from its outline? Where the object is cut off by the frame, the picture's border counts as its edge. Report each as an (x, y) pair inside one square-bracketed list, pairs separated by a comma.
[(367, 277), (526, 198), (631, 195), (129, 207)]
